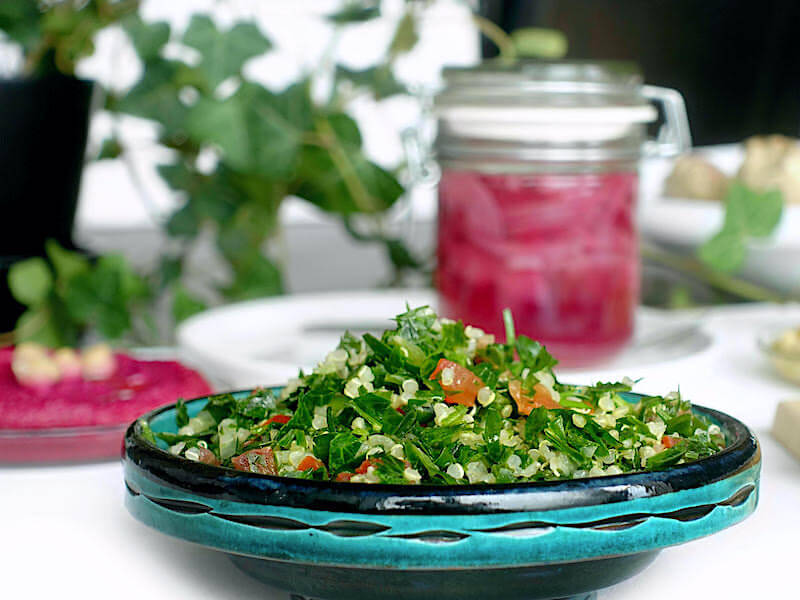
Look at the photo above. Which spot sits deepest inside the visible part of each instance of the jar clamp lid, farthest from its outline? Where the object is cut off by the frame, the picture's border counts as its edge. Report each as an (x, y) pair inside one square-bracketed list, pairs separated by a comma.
[(555, 111)]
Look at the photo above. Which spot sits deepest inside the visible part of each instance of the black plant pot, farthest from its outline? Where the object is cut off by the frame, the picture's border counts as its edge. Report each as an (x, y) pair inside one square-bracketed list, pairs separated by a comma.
[(43, 128)]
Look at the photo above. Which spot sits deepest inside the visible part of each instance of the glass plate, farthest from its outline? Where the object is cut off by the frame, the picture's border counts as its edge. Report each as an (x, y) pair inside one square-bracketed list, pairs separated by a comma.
[(74, 444), (68, 444)]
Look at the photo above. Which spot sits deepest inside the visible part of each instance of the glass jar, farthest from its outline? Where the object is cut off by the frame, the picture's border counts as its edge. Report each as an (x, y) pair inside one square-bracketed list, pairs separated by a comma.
[(537, 199)]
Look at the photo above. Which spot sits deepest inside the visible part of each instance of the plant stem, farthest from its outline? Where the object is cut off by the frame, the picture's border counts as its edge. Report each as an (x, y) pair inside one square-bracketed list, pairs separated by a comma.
[(503, 41), (361, 196), (136, 180), (716, 279)]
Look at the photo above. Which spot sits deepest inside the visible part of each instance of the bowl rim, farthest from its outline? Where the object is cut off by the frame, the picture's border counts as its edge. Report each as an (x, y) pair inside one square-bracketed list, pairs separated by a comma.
[(210, 481)]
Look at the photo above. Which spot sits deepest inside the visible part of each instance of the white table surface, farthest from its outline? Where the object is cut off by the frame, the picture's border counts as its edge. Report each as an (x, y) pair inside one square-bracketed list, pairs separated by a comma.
[(66, 533)]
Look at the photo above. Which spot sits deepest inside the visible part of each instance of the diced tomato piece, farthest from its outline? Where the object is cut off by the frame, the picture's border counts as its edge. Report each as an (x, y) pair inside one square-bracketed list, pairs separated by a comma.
[(400, 410), (344, 476), (309, 463), (370, 462), (465, 383), (260, 460), (207, 457), (525, 403), (282, 419), (668, 441)]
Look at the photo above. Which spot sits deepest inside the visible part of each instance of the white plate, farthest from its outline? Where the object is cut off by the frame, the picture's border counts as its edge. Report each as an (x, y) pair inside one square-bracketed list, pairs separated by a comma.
[(685, 224), (265, 342)]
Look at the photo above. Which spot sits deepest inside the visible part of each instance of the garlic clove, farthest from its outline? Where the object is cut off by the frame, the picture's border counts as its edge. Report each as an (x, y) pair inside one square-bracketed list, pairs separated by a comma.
[(30, 350), (69, 363), (35, 371), (98, 362)]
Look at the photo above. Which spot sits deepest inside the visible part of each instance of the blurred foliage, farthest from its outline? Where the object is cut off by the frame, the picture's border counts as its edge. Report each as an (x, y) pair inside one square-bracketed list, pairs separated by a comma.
[(263, 145), (238, 147), (538, 42), (55, 34), (748, 215), (66, 295)]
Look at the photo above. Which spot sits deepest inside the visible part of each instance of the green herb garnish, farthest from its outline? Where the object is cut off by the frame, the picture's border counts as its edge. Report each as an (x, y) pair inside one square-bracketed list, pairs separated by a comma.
[(432, 401)]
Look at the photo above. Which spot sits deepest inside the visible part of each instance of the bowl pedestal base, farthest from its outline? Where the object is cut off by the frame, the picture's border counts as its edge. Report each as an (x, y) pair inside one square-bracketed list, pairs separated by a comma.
[(559, 581), (589, 596)]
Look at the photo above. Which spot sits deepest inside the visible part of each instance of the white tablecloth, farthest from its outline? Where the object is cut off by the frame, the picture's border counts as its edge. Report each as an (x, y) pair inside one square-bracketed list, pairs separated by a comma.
[(65, 532)]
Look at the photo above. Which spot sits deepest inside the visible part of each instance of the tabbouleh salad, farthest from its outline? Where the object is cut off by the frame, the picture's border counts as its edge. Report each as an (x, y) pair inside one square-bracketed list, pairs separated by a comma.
[(434, 402)]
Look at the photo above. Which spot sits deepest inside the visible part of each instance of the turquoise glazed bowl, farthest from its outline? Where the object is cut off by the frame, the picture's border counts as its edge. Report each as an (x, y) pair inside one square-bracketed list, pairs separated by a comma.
[(349, 541)]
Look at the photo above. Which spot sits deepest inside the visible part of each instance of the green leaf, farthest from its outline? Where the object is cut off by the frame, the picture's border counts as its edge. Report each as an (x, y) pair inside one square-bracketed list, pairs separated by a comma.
[(20, 21), (379, 80), (747, 214), (223, 123), (170, 270), (37, 325), (224, 53), (257, 131), (535, 423), (405, 36), (533, 355), (401, 256), (343, 451), (211, 197), (132, 286), (538, 42), (30, 281), (492, 425), (419, 457), (328, 184), (110, 149), (147, 38), (155, 96), (243, 236), (371, 407), (184, 305), (724, 252), (345, 129), (759, 214), (181, 413), (104, 296), (183, 222), (66, 264), (356, 12), (258, 278), (177, 176)]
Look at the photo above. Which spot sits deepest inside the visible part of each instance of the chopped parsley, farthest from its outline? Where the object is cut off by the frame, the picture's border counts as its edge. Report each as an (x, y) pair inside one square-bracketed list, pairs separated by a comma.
[(434, 402)]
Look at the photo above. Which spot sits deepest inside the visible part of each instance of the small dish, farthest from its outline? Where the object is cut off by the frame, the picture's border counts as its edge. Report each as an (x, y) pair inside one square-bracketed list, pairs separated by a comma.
[(349, 541), (60, 445), (73, 443), (785, 361)]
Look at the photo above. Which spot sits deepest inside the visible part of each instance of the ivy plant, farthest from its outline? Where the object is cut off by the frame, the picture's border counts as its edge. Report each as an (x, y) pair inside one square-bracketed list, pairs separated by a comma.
[(238, 150), (266, 145), (66, 295), (56, 34)]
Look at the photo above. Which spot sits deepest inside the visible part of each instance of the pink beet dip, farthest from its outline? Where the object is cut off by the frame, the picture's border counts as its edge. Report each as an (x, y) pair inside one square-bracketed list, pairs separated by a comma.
[(135, 387)]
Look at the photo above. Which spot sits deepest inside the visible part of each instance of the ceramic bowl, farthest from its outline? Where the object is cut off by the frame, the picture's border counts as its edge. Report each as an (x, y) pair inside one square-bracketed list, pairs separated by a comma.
[(344, 541)]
